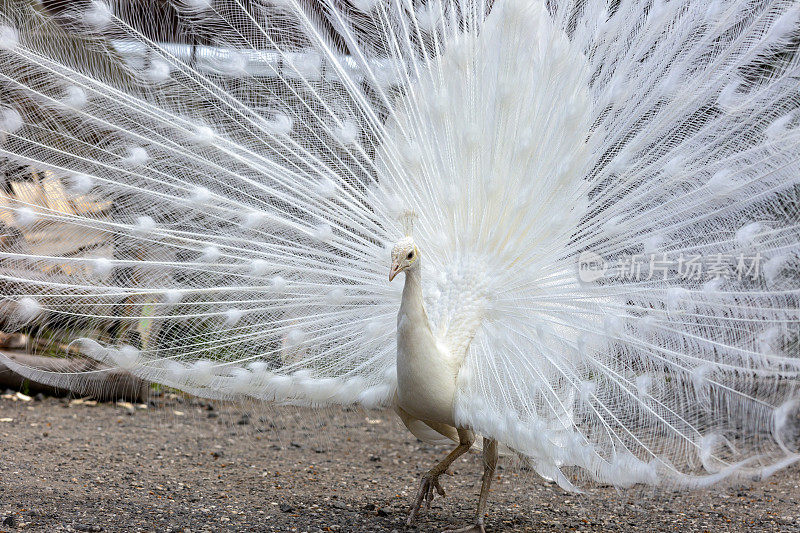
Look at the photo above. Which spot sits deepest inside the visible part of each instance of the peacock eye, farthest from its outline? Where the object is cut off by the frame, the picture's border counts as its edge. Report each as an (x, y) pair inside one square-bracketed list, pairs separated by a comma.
[(410, 255)]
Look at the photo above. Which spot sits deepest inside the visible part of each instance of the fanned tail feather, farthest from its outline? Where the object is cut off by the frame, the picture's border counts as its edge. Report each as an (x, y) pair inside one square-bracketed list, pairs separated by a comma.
[(226, 209)]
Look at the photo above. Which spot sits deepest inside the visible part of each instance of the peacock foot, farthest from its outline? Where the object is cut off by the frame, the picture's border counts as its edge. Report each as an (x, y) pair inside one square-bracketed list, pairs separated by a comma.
[(429, 484), (477, 528)]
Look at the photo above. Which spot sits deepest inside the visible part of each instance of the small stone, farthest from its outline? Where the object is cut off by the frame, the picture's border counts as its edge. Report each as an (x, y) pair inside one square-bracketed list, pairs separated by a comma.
[(39, 397), (295, 445), (10, 521), (384, 511), (23, 397), (374, 458), (285, 507), (244, 420), (370, 507), (339, 505), (212, 414)]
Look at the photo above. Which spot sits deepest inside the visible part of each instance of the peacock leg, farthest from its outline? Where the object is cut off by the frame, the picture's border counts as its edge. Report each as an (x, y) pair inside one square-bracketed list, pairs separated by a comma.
[(489, 465), (430, 481)]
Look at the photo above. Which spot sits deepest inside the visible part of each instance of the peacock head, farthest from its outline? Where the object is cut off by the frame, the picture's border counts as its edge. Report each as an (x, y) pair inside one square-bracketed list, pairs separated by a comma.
[(404, 256)]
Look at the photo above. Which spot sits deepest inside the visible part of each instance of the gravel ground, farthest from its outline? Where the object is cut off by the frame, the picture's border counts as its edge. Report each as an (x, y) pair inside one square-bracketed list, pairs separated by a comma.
[(183, 465)]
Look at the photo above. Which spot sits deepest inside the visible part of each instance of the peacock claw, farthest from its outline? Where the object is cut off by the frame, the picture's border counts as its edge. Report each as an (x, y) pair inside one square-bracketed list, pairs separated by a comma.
[(425, 494)]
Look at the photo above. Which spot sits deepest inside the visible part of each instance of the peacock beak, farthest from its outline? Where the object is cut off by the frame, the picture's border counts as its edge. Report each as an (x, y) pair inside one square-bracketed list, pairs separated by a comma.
[(395, 270)]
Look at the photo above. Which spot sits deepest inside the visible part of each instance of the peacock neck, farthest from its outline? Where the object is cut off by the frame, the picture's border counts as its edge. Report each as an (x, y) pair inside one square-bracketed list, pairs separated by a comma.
[(412, 304)]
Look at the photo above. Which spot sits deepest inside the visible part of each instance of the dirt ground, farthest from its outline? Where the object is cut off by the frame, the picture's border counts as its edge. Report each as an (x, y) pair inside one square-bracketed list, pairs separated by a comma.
[(183, 465)]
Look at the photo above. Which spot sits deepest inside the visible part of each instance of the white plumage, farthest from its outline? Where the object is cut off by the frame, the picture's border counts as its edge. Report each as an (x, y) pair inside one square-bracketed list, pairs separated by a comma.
[(254, 186)]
